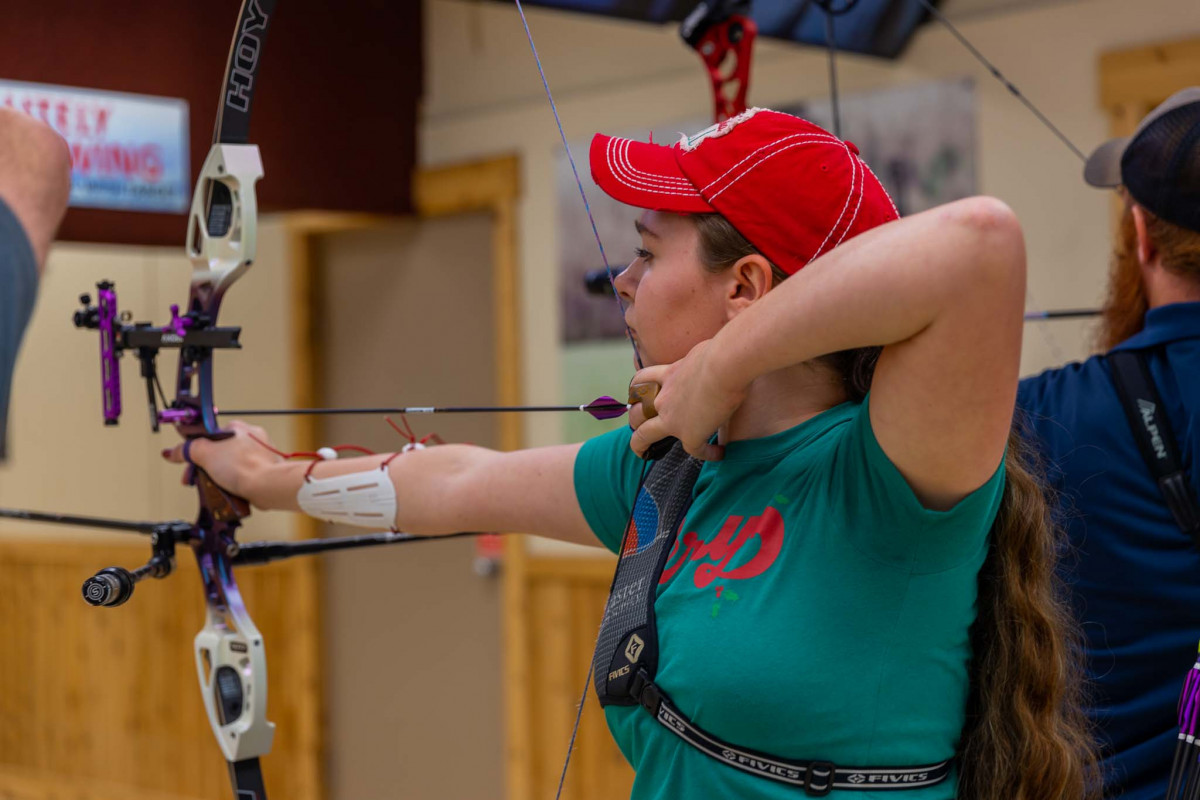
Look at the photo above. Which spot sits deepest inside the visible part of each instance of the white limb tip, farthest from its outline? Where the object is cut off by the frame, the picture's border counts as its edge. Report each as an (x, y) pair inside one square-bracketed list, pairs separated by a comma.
[(327, 454), (412, 446)]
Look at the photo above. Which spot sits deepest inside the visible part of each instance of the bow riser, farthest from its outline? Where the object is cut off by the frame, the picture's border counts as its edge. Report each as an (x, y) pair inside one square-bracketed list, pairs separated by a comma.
[(222, 234)]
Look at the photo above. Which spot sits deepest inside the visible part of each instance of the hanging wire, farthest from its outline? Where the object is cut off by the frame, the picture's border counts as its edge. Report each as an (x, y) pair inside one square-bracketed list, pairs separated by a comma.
[(1052, 343), (831, 40), (1013, 90), (832, 9)]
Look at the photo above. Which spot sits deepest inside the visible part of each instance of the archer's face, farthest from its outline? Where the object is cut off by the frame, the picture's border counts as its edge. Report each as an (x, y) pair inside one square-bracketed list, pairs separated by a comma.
[(672, 302)]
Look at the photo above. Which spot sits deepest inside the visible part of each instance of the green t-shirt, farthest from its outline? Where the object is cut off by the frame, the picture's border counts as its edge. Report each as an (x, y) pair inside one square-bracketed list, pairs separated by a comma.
[(812, 608)]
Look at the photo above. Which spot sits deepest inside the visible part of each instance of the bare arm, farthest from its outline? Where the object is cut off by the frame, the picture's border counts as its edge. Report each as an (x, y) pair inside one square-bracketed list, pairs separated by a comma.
[(442, 489), (943, 291), (35, 177)]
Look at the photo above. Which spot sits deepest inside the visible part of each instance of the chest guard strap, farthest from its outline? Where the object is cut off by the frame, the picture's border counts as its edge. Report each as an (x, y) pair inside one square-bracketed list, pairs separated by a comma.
[(628, 639), (625, 661), (1155, 439)]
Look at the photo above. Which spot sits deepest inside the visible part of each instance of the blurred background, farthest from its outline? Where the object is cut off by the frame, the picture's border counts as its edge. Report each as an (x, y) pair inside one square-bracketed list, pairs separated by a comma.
[(422, 242)]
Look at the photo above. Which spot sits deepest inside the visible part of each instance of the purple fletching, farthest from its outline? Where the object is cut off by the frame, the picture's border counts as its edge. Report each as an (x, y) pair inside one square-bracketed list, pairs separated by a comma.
[(605, 408)]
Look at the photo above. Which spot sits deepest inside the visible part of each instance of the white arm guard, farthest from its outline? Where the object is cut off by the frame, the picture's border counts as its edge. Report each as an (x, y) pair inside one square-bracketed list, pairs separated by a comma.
[(366, 499)]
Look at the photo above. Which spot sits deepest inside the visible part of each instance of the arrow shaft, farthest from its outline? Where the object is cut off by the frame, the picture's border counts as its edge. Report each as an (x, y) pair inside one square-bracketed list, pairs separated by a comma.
[(279, 412), (1069, 313)]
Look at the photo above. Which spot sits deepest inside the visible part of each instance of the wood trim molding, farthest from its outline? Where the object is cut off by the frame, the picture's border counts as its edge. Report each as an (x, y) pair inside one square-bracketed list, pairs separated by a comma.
[(1135, 80), (1145, 76)]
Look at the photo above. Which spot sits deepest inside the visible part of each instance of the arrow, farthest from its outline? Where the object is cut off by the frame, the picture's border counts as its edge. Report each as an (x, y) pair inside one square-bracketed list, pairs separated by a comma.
[(600, 408), (1067, 313)]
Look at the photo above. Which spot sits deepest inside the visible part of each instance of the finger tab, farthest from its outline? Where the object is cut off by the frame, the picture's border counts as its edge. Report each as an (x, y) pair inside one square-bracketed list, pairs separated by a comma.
[(645, 393)]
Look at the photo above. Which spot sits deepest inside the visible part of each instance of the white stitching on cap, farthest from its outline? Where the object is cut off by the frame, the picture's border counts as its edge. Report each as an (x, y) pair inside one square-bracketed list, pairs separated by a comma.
[(882, 188), (615, 169), (813, 137), (860, 166), (632, 177), (762, 161), (844, 207), (623, 155)]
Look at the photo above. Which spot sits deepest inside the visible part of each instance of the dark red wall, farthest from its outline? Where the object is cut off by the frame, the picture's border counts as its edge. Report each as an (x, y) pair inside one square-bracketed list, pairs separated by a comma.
[(334, 112)]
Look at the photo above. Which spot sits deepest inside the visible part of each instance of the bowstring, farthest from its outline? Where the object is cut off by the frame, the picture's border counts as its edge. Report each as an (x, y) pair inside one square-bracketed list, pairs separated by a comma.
[(628, 335), (608, 270)]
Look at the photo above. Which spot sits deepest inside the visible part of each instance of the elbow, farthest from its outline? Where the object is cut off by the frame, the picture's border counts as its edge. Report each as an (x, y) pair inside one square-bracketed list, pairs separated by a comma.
[(993, 243)]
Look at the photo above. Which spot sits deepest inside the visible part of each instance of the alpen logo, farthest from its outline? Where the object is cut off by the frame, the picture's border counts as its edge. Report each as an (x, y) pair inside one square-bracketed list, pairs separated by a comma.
[(1147, 409)]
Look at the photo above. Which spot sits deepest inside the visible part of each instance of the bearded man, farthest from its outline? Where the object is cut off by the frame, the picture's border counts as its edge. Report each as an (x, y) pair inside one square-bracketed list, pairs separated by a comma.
[(1120, 433)]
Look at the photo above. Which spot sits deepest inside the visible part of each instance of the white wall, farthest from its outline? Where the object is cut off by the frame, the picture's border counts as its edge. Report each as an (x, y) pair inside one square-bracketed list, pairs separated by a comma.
[(484, 97), (62, 458)]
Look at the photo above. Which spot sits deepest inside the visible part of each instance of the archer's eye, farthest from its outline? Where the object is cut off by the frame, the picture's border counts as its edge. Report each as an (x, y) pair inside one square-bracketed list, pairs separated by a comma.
[(643, 254)]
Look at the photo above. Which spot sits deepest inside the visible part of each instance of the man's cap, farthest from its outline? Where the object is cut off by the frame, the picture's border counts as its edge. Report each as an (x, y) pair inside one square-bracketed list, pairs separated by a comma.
[(794, 190), (1159, 165)]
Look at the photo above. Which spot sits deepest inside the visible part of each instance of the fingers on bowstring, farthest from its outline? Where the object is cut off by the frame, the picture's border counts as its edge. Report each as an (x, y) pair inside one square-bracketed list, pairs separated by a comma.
[(652, 374), (637, 416), (709, 452), (646, 434)]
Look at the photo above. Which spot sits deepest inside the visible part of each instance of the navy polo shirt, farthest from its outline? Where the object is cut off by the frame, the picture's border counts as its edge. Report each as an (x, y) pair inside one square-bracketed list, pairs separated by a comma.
[(1135, 577), (18, 290)]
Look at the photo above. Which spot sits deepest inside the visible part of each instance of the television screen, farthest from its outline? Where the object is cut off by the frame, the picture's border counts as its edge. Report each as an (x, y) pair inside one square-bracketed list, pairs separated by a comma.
[(871, 27)]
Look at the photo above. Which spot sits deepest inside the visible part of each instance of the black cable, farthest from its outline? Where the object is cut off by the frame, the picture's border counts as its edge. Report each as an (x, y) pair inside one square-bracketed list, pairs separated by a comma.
[(831, 40), (1013, 90), (89, 522)]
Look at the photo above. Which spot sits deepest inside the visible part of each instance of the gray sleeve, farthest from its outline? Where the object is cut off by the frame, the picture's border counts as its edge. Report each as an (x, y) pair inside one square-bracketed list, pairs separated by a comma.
[(18, 290)]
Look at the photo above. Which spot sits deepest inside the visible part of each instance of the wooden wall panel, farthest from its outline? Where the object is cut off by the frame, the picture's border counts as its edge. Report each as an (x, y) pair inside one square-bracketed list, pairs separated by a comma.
[(334, 113), (97, 700), (566, 599)]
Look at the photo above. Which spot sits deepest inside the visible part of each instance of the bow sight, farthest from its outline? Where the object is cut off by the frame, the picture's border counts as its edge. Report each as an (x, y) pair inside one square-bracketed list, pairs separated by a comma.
[(192, 334)]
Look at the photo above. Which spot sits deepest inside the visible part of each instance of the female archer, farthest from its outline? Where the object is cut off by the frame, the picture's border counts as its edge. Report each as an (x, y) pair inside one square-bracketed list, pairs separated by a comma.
[(860, 595)]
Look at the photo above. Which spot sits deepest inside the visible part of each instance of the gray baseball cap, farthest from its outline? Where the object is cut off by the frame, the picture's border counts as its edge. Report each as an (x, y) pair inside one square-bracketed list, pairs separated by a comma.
[(1103, 168)]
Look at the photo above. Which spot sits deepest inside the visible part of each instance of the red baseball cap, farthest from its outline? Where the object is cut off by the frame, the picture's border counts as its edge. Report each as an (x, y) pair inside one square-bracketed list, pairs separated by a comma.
[(793, 189)]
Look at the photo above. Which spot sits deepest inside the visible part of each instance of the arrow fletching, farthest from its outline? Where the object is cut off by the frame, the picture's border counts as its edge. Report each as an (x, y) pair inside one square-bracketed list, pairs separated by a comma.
[(605, 408)]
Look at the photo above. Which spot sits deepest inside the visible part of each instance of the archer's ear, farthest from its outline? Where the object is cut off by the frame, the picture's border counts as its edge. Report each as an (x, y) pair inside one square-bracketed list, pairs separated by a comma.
[(1146, 251), (751, 278)]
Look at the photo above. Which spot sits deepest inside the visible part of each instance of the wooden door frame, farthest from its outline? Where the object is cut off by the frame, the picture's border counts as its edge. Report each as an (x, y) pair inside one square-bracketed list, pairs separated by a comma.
[(490, 186)]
